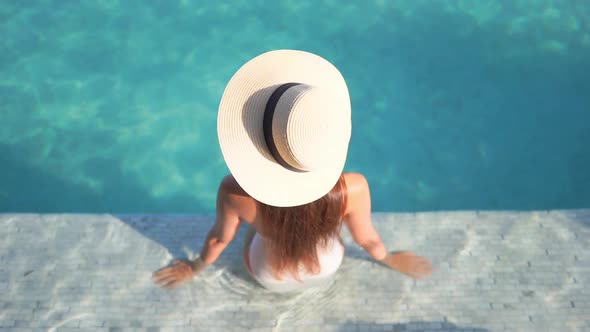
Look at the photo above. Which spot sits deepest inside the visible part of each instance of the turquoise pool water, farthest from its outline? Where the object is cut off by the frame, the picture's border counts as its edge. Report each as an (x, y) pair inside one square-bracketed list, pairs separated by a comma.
[(110, 106)]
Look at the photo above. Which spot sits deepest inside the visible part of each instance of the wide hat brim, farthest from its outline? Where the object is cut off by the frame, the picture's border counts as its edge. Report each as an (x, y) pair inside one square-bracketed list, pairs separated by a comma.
[(240, 131)]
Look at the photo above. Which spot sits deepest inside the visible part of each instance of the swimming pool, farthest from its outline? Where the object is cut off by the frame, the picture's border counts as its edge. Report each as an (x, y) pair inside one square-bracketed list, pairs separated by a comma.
[(110, 106)]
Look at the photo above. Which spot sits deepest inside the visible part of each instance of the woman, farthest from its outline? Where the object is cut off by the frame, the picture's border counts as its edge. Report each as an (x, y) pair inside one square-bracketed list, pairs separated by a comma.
[(284, 127)]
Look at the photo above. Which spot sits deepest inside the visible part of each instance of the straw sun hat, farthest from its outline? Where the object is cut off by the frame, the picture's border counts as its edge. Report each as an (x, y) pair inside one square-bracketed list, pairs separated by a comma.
[(284, 126)]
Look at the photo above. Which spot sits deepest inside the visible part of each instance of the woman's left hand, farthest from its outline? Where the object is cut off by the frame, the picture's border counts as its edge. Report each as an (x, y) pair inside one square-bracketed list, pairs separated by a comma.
[(409, 264), (172, 276)]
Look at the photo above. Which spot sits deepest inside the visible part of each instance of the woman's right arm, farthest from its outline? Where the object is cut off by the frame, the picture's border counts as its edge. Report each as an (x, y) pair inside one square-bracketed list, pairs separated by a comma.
[(357, 218)]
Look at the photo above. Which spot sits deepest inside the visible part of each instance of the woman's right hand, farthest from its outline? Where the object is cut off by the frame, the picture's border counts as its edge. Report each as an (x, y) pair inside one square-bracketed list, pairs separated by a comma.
[(408, 263)]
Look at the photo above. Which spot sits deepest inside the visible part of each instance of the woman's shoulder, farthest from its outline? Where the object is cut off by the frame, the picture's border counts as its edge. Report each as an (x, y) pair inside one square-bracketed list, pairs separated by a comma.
[(355, 182), (357, 192), (232, 194), (229, 184), (358, 197)]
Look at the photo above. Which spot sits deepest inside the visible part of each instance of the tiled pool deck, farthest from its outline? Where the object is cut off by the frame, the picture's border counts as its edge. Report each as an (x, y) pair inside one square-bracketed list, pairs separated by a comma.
[(493, 271)]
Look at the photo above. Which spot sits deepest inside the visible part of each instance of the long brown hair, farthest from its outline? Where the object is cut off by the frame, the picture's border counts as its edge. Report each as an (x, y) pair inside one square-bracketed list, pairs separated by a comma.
[(294, 233)]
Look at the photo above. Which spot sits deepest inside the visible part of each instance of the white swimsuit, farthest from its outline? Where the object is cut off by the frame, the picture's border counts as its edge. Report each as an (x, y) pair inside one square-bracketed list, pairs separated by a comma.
[(330, 259)]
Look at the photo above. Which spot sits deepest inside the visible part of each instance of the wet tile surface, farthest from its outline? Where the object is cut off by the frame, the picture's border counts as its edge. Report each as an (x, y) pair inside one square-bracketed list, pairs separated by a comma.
[(493, 271)]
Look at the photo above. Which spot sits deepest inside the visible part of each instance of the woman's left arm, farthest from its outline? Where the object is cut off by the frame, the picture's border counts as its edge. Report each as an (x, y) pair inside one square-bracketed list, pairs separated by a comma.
[(224, 230)]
